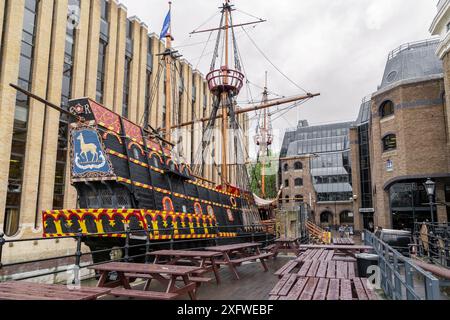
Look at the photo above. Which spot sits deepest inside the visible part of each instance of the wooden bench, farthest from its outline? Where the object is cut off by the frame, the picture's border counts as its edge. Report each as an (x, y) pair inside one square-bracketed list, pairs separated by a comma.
[(292, 288), (270, 247), (197, 280), (139, 294), (20, 290), (252, 258)]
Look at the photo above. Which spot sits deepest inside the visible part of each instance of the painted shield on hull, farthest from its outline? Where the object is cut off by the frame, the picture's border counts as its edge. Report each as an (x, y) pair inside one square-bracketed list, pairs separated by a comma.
[(89, 159)]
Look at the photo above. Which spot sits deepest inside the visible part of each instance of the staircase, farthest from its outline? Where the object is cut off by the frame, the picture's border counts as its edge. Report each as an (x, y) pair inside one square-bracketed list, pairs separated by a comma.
[(317, 235)]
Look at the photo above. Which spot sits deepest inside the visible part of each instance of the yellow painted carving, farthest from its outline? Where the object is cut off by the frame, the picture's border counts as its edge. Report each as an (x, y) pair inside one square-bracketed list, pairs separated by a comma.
[(83, 226), (191, 226), (58, 227), (155, 228), (99, 225)]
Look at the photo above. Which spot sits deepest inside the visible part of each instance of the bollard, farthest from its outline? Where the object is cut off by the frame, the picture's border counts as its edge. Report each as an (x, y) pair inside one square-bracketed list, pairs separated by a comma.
[(127, 245), (147, 245), (78, 255), (172, 233), (2, 242)]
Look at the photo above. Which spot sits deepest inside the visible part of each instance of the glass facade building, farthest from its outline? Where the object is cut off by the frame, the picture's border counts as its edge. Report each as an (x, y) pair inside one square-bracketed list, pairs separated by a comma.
[(330, 164)]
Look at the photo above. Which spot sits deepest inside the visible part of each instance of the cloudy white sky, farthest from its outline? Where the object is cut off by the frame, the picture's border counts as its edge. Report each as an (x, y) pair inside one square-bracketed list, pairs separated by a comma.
[(335, 47)]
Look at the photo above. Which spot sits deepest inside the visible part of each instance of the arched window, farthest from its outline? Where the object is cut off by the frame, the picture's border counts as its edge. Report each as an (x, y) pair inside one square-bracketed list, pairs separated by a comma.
[(167, 204), (198, 208), (287, 198), (325, 217), (298, 198), (298, 166), (387, 109), (286, 167), (298, 182), (346, 217), (389, 142), (156, 160), (210, 211)]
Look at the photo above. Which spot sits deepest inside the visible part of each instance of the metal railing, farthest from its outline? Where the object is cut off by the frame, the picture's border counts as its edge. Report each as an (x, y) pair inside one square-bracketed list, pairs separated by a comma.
[(432, 241), (248, 232), (412, 45), (401, 279)]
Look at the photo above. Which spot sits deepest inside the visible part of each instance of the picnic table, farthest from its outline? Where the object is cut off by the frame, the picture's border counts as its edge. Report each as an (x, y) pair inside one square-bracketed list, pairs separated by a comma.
[(167, 275), (319, 269), (205, 259), (292, 287), (236, 254), (349, 250), (19, 290), (343, 241), (284, 244)]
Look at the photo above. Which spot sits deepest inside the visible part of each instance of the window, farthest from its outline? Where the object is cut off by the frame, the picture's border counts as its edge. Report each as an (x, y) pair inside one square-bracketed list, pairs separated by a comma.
[(126, 87), (287, 198), (286, 183), (286, 167), (167, 204), (346, 217), (101, 70), (298, 166), (298, 198), (389, 142), (325, 217), (298, 182), (387, 109)]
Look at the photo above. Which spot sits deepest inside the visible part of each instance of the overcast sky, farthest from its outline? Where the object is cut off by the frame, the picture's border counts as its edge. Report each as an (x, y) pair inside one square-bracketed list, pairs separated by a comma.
[(335, 47)]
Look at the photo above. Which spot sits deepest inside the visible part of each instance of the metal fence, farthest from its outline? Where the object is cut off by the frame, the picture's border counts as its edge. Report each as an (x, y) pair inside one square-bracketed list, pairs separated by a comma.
[(432, 241), (247, 232), (401, 279)]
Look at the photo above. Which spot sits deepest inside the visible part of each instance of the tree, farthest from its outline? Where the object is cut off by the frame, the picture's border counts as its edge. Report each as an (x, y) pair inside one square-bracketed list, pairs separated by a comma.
[(270, 169)]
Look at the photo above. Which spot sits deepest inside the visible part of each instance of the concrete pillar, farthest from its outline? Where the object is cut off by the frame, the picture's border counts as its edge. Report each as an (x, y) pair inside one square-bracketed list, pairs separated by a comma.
[(111, 56), (157, 75), (36, 114), (120, 58), (142, 74), (47, 179), (92, 50), (9, 70), (134, 71), (80, 53)]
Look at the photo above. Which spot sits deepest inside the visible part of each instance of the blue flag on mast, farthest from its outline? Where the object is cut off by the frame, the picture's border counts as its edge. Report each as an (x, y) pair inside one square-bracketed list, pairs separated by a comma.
[(166, 26)]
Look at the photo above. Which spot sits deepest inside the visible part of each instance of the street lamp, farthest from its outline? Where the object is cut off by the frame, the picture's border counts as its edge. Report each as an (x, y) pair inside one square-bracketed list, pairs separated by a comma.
[(430, 187)]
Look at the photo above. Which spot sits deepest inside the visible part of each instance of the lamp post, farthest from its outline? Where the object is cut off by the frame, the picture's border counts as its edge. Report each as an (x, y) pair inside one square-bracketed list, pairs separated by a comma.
[(430, 187)]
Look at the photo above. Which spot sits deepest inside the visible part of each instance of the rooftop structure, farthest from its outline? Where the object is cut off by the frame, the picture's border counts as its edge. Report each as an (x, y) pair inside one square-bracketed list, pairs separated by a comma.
[(412, 61)]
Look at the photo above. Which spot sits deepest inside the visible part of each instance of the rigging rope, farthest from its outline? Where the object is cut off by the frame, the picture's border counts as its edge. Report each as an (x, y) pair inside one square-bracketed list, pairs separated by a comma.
[(273, 65)]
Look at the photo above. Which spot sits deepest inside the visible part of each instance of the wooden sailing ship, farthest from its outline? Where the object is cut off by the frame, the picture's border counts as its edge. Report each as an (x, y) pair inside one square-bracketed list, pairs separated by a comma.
[(129, 179)]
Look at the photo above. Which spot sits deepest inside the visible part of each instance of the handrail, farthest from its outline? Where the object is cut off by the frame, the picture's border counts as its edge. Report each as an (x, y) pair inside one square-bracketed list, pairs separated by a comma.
[(400, 275), (251, 232)]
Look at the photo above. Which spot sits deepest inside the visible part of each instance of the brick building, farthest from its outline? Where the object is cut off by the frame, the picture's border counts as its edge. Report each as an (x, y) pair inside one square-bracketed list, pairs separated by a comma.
[(64, 49), (406, 127), (315, 169)]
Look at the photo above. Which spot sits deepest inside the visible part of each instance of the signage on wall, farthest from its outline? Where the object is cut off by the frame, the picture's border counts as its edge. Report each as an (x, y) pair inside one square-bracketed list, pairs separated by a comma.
[(389, 165), (367, 210)]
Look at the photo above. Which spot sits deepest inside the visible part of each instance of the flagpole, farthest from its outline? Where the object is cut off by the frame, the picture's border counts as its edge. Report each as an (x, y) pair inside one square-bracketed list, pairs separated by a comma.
[(168, 58)]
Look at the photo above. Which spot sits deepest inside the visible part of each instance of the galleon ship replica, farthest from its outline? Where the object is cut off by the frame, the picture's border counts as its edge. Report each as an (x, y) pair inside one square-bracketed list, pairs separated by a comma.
[(131, 181)]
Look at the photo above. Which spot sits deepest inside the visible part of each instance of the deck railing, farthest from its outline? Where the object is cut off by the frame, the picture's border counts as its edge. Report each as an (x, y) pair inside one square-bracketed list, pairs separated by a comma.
[(432, 241), (400, 278), (251, 234)]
